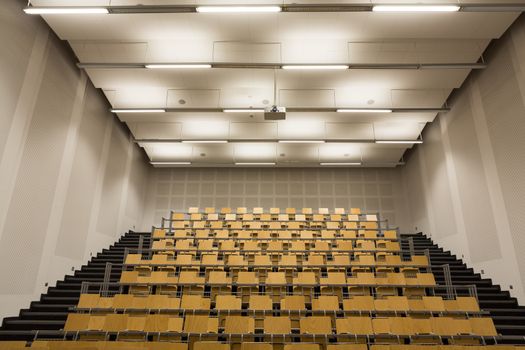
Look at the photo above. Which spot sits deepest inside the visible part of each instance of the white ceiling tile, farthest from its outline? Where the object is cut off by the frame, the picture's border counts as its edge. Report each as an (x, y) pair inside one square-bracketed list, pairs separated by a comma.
[(202, 130), (297, 153), (246, 52), (398, 131), (340, 152), (301, 130), (255, 152), (307, 98), (180, 98), (156, 130), (350, 131), (428, 98), (212, 153), (247, 130), (173, 152)]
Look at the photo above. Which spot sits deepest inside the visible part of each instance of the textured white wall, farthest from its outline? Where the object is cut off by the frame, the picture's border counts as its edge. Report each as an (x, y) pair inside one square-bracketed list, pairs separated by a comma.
[(71, 180), (465, 185), (370, 189)]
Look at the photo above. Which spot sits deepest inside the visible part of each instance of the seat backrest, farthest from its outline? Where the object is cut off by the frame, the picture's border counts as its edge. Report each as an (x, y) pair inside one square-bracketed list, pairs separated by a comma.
[(88, 301), (200, 324), (260, 303), (136, 323), (156, 301), (123, 301), (262, 260), (276, 278), (76, 322), (256, 346), (469, 304), (346, 347), (239, 325), (247, 277), (219, 277), (228, 302), (302, 346), (316, 325), (115, 322), (277, 325), (354, 325), (326, 303), (175, 324), (194, 302), (359, 303), (293, 303), (307, 277), (483, 326), (210, 345), (381, 325), (156, 323)]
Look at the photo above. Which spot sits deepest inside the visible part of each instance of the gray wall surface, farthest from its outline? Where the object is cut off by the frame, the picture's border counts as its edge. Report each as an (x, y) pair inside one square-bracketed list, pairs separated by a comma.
[(466, 184), (370, 189), (71, 179)]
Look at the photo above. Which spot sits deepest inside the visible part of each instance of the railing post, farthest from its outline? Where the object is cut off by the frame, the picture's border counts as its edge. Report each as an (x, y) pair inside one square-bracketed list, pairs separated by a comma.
[(126, 252), (411, 246), (427, 254), (448, 281), (84, 287), (107, 279), (141, 243), (473, 292)]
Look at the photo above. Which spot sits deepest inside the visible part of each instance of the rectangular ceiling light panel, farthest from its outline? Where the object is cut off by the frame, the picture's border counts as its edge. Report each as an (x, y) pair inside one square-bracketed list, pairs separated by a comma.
[(138, 110), (238, 9), (316, 67), (340, 164), (416, 8), (245, 110), (399, 141), (354, 110), (178, 66), (66, 10)]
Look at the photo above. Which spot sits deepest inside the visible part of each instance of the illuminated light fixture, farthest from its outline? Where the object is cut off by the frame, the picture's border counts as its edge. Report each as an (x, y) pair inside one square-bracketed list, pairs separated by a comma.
[(255, 163), (355, 110), (156, 110), (316, 67), (301, 141), (245, 110), (177, 66), (170, 163), (399, 141), (238, 9), (416, 8), (66, 10), (341, 164), (204, 141)]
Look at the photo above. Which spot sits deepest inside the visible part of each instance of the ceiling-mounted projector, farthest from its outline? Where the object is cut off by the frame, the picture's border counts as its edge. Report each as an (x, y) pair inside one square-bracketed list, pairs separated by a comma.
[(275, 113)]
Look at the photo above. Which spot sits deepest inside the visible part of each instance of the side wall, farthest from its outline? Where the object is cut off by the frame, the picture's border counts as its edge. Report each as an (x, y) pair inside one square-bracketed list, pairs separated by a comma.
[(370, 189), (466, 184), (71, 180)]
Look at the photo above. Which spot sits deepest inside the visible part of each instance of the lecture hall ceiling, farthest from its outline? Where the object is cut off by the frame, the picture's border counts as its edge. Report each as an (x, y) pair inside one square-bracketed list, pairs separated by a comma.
[(400, 68)]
